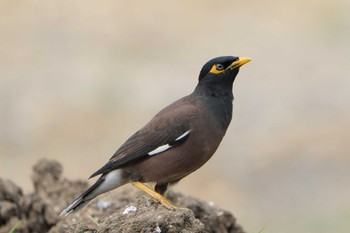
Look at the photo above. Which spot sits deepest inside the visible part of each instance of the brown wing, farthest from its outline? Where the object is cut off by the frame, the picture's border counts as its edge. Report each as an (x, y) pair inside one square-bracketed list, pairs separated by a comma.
[(164, 129)]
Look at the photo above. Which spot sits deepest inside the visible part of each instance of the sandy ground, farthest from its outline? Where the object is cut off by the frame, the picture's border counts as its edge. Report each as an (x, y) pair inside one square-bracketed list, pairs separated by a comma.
[(78, 78)]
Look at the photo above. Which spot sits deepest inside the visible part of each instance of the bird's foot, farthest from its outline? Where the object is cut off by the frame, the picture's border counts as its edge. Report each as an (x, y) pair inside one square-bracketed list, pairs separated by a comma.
[(158, 197)]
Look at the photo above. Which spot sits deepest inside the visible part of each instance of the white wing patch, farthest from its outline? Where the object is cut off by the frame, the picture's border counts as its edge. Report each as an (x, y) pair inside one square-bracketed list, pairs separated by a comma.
[(183, 135), (165, 147), (159, 149)]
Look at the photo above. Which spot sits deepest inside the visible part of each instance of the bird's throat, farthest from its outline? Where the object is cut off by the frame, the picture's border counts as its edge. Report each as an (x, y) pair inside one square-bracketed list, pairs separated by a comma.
[(218, 100)]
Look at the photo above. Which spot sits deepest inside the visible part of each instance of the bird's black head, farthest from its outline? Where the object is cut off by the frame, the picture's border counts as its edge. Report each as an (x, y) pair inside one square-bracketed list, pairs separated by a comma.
[(221, 68)]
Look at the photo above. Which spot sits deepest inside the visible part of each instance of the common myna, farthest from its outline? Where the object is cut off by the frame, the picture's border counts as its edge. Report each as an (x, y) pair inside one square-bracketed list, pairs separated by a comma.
[(177, 141)]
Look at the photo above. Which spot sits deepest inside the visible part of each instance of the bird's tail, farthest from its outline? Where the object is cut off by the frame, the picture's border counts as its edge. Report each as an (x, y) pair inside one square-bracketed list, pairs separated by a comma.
[(104, 184)]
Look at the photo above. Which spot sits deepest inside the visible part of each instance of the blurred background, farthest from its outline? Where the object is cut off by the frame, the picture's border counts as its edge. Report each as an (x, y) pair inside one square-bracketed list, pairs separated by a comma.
[(77, 78)]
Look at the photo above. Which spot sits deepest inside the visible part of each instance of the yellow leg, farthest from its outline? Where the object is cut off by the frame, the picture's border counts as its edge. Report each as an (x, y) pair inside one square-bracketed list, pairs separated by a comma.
[(154, 194)]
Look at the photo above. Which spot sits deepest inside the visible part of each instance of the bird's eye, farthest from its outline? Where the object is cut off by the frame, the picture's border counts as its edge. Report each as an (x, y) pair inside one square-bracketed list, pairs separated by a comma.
[(219, 66)]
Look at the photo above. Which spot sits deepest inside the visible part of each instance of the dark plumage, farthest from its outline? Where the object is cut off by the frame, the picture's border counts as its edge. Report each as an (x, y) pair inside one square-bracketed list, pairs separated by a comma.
[(177, 141)]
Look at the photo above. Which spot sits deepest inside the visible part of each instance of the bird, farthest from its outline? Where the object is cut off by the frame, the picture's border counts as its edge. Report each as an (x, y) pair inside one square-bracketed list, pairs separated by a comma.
[(177, 141)]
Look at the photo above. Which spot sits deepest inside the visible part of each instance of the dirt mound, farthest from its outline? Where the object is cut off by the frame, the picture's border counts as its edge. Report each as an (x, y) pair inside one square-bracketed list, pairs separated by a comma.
[(128, 211)]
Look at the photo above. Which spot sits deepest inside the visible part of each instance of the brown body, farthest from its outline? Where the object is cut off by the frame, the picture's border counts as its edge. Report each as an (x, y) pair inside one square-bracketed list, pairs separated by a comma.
[(172, 165)]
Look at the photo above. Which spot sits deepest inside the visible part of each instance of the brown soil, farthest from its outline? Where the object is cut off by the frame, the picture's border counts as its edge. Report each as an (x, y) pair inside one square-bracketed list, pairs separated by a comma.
[(128, 211)]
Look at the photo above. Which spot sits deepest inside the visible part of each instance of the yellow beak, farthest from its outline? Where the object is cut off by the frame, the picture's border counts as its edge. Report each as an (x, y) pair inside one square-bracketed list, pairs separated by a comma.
[(240, 62)]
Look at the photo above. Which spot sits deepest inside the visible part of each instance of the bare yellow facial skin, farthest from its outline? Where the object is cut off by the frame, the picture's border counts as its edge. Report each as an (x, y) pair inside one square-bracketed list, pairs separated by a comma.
[(214, 70), (238, 63)]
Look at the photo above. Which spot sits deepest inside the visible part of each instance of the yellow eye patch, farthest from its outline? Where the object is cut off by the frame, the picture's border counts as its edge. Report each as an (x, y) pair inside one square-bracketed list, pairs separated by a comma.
[(214, 69)]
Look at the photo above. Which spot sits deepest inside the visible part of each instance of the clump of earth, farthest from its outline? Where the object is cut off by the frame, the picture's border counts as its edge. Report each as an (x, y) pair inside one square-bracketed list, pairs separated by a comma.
[(127, 211)]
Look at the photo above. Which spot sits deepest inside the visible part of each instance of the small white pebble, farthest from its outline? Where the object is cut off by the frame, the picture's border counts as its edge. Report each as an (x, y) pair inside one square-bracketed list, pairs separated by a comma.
[(158, 230), (129, 209), (211, 204), (101, 204)]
